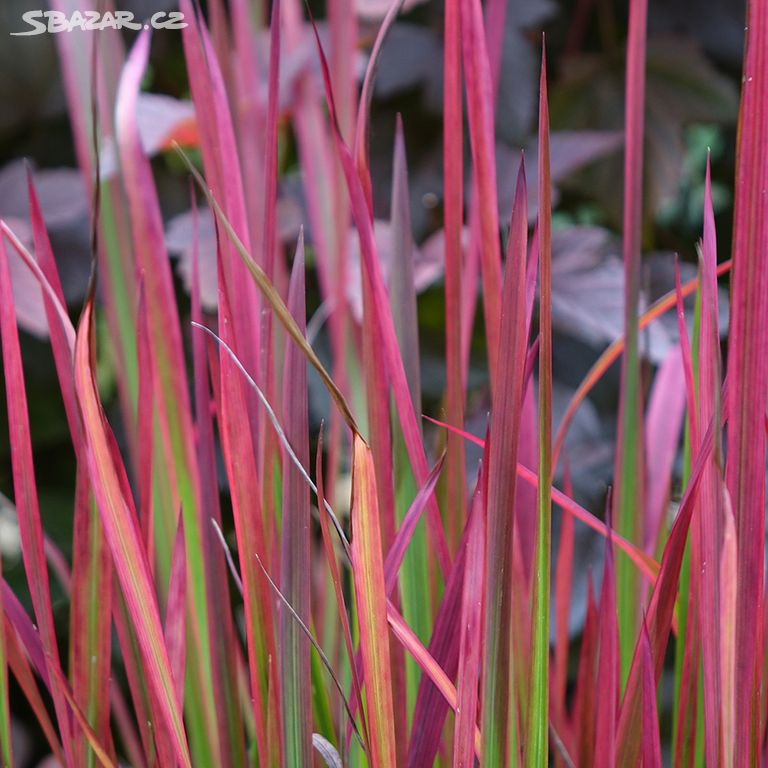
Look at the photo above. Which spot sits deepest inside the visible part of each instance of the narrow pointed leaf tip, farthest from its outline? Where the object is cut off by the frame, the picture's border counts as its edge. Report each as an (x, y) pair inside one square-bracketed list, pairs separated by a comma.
[(504, 439)]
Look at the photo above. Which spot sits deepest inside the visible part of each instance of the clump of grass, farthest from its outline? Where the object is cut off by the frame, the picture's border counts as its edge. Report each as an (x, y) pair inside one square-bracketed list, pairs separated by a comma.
[(265, 649)]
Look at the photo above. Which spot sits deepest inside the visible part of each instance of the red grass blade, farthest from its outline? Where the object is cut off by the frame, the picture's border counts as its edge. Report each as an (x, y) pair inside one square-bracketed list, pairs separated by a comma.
[(666, 408), (402, 289), (175, 628), (400, 544), (240, 464), (222, 170), (470, 644), (377, 404), (456, 486), (660, 610), (60, 329), (368, 571), (538, 717), (427, 663), (480, 99), (651, 749), (172, 401), (608, 668), (25, 490), (122, 533), (223, 631), (6, 751), (93, 740), (295, 562), (586, 692), (19, 665), (629, 458), (748, 369), (431, 708), (728, 649), (91, 600), (145, 415), (90, 613), (711, 512), (563, 590), (504, 440), (330, 556)]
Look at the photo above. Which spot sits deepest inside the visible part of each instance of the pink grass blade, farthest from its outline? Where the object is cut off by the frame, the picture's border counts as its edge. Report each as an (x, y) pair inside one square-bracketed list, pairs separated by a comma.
[(537, 749), (585, 696), (20, 667), (711, 519), (222, 169), (728, 649), (25, 490), (122, 533), (402, 288), (666, 408), (266, 447), (28, 635), (415, 598), (61, 332), (330, 556), (661, 608), (453, 204), (145, 426), (240, 465), (688, 711), (504, 440), (295, 562), (380, 438), (748, 368), (90, 604), (470, 649), (368, 571), (171, 391), (629, 459), (269, 226), (428, 664), (224, 637), (563, 592), (479, 87), (174, 630), (405, 532), (688, 725), (431, 708), (607, 689), (6, 751), (688, 374), (651, 748), (99, 750), (90, 616)]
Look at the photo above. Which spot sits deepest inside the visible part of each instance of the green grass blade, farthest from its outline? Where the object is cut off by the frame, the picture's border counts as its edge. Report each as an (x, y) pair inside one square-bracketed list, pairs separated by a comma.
[(537, 747)]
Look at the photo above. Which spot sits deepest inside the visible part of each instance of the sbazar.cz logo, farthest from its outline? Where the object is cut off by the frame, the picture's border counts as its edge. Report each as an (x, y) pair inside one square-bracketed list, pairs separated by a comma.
[(52, 22)]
